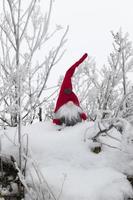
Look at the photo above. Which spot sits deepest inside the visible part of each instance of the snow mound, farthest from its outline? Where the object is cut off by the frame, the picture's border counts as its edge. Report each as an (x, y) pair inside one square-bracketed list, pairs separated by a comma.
[(71, 170)]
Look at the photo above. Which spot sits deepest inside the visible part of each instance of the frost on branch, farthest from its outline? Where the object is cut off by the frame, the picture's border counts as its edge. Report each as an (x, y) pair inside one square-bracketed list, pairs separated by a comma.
[(27, 58)]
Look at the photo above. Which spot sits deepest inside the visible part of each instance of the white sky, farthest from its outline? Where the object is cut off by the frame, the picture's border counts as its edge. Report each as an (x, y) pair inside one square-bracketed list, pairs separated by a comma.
[(90, 24)]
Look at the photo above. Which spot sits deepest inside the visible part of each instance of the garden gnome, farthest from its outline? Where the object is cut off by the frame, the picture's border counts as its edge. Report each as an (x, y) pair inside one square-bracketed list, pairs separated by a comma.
[(67, 110)]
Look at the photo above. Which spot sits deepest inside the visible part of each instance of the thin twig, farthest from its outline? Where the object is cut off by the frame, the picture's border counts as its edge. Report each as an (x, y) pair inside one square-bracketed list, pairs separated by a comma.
[(62, 187), (7, 35)]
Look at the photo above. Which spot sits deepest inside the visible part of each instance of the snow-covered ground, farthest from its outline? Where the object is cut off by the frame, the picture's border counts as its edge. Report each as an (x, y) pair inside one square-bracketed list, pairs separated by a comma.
[(70, 168)]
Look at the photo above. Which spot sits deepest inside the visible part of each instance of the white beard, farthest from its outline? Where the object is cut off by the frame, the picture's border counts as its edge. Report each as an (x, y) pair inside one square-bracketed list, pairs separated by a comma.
[(70, 112)]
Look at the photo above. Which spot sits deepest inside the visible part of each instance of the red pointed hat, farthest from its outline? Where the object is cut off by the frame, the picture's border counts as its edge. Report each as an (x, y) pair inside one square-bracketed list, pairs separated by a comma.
[(66, 94)]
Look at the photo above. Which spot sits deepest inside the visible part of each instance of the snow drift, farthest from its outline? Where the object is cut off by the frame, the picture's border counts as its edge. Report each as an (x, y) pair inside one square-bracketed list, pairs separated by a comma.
[(69, 167)]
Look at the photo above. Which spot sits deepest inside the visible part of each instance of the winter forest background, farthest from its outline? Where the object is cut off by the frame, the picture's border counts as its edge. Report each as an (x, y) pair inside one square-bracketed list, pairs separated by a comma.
[(105, 93)]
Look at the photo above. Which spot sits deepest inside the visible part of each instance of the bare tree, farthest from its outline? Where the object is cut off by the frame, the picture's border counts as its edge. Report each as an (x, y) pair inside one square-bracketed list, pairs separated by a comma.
[(101, 91), (122, 57), (23, 77), (24, 35), (114, 86)]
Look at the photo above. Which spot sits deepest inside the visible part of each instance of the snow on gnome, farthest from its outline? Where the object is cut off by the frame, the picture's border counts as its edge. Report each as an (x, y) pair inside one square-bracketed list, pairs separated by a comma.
[(67, 110)]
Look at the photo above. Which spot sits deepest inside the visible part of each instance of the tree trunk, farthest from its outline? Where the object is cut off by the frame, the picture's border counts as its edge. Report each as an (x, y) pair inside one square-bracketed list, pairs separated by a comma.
[(40, 114)]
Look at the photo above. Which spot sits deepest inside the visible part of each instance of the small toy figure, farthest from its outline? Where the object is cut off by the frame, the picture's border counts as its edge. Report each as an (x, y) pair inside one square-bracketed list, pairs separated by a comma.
[(68, 110)]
